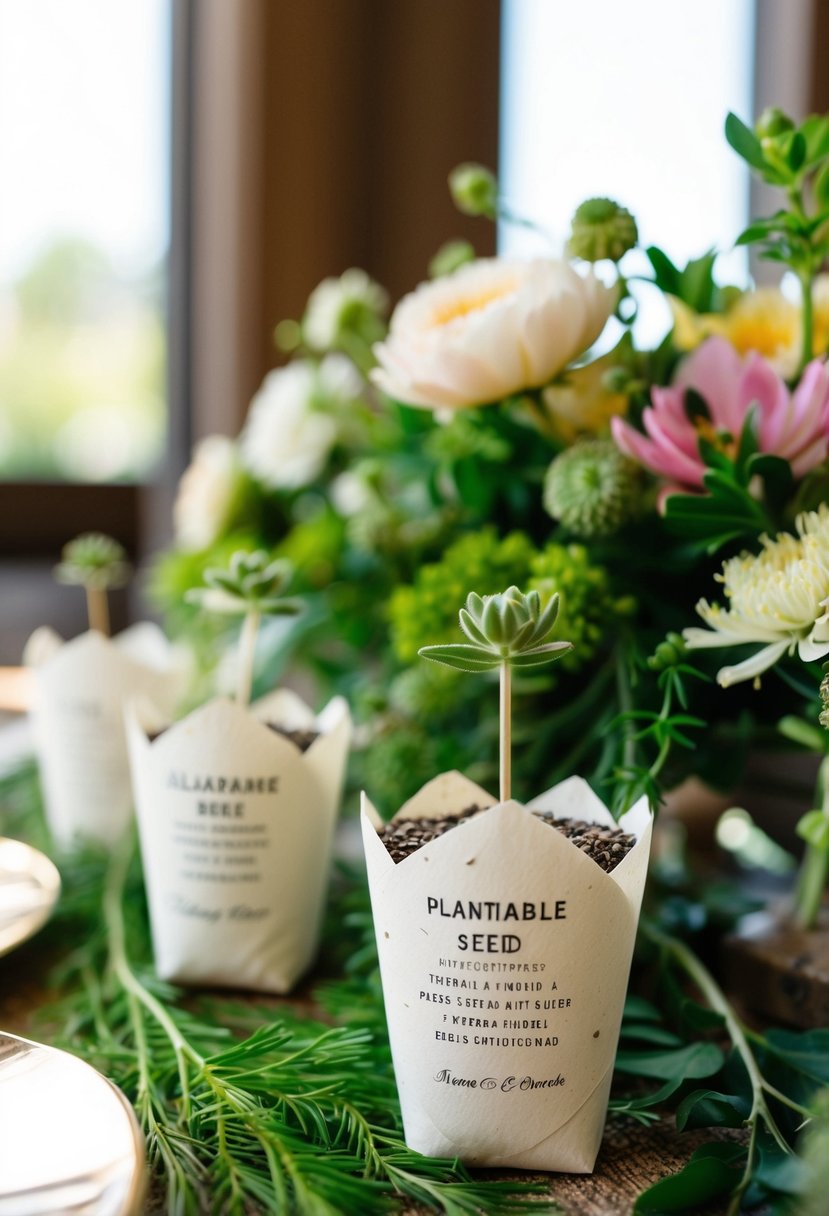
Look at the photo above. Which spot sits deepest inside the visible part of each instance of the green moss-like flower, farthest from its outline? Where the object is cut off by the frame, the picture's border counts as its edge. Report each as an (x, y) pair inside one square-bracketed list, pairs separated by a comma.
[(592, 488), (590, 610), (426, 611), (428, 693), (397, 763), (602, 229), (94, 561)]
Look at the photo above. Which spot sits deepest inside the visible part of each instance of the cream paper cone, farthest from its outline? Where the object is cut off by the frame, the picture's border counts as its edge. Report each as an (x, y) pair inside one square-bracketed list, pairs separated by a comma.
[(79, 692), (505, 954), (236, 828)]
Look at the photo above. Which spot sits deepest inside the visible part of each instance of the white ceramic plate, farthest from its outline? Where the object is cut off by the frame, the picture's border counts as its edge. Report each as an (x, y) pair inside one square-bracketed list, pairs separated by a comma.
[(29, 888), (69, 1141)]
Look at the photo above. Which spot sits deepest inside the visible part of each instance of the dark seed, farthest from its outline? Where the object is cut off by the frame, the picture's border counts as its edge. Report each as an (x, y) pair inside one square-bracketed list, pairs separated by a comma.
[(606, 846)]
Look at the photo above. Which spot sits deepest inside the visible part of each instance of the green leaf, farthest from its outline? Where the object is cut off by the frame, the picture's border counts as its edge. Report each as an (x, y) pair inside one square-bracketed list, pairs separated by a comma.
[(461, 657), (821, 186), (796, 152), (814, 829), (815, 130), (708, 1108), (696, 282), (695, 406), (807, 1053), (777, 476), (710, 1174), (646, 1032), (744, 142), (637, 1008), (666, 275), (693, 1062)]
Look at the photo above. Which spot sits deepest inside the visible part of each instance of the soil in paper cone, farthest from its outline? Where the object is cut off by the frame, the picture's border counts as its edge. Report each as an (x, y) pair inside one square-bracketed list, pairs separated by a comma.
[(606, 846)]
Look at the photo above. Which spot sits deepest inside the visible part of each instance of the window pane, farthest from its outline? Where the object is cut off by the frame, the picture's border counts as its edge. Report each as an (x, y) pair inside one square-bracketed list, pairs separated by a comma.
[(84, 135), (628, 101)]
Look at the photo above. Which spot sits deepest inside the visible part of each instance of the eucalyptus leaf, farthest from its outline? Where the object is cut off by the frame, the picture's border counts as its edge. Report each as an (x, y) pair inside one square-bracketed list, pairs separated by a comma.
[(744, 142), (708, 1108), (694, 1061), (710, 1174)]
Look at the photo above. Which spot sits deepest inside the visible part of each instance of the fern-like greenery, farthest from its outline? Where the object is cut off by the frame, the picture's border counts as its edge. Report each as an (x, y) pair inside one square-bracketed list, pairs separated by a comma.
[(245, 1108)]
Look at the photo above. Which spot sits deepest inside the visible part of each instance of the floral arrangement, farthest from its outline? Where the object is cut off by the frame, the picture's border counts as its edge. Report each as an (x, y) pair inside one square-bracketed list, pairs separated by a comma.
[(666, 506), (505, 427)]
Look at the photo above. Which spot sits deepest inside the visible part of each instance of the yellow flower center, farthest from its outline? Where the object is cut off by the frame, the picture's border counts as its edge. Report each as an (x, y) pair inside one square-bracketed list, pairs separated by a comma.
[(767, 331), (464, 306), (722, 441)]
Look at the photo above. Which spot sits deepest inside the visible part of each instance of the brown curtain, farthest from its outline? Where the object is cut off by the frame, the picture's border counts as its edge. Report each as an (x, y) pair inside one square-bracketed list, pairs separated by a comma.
[(323, 133)]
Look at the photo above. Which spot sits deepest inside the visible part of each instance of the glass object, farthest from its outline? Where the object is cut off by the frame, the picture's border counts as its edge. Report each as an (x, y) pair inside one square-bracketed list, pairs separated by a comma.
[(84, 135)]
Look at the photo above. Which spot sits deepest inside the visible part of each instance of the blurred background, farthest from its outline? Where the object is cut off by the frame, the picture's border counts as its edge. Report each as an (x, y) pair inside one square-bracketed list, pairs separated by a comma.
[(179, 174)]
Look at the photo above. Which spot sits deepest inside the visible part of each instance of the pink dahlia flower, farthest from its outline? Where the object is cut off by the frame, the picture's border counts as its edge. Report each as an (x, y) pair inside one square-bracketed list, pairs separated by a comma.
[(794, 425)]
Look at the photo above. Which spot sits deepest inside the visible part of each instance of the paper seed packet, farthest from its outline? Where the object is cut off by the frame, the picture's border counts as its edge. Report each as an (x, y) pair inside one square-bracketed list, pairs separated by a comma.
[(77, 717), (505, 953), (236, 827)]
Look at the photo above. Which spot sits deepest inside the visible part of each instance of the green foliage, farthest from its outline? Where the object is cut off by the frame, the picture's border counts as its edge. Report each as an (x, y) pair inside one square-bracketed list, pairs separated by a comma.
[(795, 159), (730, 510), (694, 285), (250, 1108)]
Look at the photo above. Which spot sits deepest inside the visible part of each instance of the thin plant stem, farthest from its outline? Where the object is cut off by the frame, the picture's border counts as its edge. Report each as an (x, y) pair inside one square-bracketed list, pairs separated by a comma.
[(505, 733), (97, 607), (247, 648), (807, 318), (814, 871), (760, 1087)]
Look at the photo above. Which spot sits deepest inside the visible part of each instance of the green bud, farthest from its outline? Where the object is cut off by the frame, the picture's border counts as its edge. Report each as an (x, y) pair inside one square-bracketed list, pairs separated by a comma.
[(602, 229), (616, 380), (592, 488), (824, 700), (474, 190), (288, 336), (94, 561), (772, 122), (449, 257), (668, 653)]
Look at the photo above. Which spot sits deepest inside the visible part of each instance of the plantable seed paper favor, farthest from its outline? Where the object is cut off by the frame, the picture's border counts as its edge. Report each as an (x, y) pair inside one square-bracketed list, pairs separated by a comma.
[(236, 826), (80, 690), (505, 953)]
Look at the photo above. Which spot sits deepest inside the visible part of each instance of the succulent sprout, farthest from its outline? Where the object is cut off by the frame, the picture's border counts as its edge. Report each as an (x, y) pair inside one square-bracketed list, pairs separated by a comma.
[(97, 563), (506, 630), (250, 585)]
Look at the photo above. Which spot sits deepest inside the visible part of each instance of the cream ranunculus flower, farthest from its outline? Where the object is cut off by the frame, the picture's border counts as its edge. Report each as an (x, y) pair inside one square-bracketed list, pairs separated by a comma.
[(207, 493), (292, 425), (779, 597), (490, 329)]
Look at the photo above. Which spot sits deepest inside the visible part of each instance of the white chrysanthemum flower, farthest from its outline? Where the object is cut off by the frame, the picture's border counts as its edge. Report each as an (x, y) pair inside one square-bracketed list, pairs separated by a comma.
[(206, 493), (338, 305), (779, 597), (490, 329), (292, 425)]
